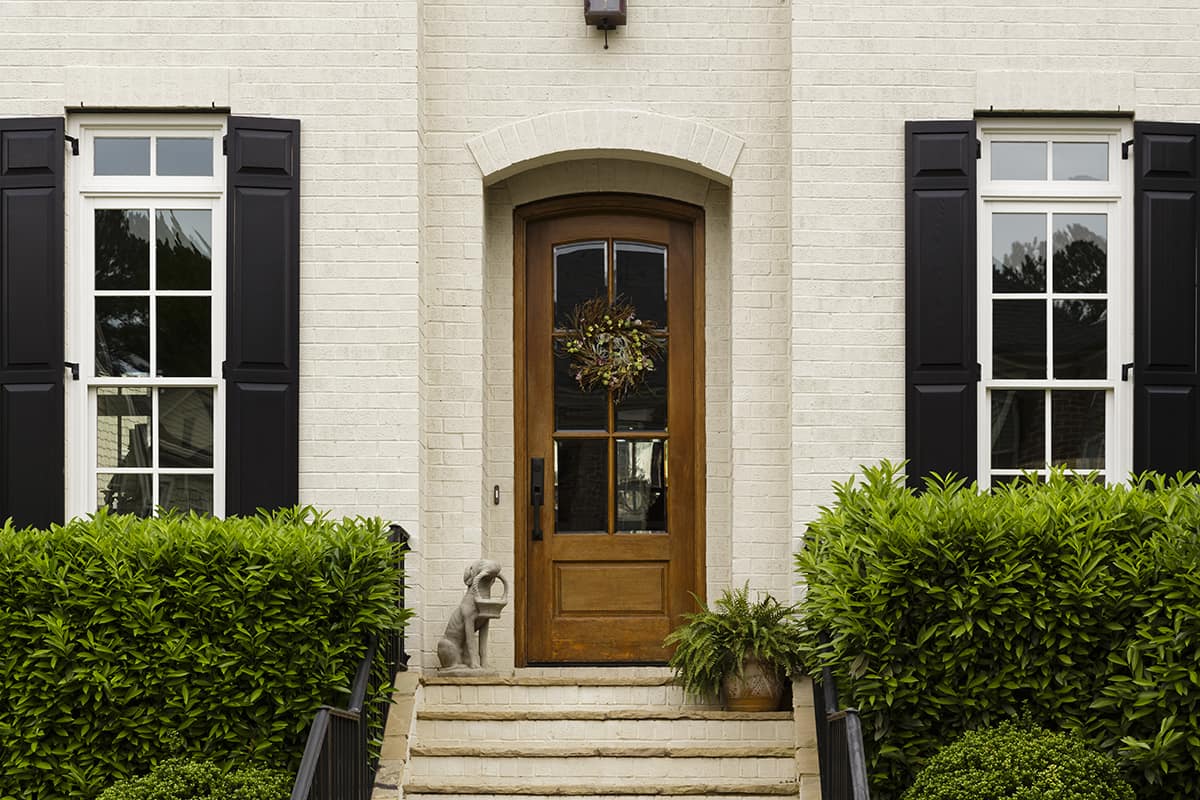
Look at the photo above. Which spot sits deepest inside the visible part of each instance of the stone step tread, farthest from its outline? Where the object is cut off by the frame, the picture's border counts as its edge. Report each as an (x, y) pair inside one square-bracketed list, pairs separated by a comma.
[(708, 795), (602, 751), (548, 680), (436, 712), (526, 787)]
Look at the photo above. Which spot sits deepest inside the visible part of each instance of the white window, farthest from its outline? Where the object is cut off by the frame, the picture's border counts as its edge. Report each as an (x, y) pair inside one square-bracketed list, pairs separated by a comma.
[(1055, 298), (145, 314)]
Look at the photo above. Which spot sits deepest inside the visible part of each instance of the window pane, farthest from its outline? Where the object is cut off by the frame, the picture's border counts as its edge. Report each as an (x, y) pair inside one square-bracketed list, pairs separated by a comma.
[(641, 485), (184, 156), (123, 336), (186, 492), (580, 273), (116, 155), (646, 409), (122, 248), (581, 485), (125, 494), (1080, 338), (1019, 338), (1018, 429), (1018, 161), (184, 248), (1080, 161), (575, 409), (123, 427), (1019, 252), (1077, 422), (185, 427), (1080, 252), (184, 337), (641, 279)]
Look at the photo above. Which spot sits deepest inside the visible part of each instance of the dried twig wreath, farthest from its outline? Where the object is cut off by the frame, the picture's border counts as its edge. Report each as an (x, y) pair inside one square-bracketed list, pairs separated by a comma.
[(609, 346)]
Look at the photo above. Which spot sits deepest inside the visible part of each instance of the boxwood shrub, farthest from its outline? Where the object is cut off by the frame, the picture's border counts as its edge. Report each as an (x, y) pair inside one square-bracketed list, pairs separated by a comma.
[(124, 637), (954, 609), (186, 779)]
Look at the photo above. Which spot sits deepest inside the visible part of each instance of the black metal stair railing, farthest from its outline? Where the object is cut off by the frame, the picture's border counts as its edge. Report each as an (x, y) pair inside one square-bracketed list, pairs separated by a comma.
[(840, 751), (338, 761)]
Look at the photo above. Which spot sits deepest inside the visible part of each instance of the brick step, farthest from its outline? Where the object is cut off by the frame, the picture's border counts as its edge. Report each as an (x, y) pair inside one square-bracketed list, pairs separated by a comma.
[(627, 790), (605, 751), (439, 728), (600, 769), (592, 713), (542, 692)]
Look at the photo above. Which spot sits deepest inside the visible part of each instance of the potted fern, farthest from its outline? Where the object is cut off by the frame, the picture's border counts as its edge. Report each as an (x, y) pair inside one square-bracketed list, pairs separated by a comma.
[(738, 649)]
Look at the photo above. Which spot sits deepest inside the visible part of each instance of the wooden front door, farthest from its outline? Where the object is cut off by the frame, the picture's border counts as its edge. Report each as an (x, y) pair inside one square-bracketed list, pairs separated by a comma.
[(614, 551)]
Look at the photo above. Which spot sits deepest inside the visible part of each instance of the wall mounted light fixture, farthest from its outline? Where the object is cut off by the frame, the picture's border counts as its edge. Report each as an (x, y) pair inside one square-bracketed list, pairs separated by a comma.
[(606, 15)]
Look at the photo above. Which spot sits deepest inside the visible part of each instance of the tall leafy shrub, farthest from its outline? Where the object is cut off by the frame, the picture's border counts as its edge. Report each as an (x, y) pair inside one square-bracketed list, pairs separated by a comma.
[(954, 609), (123, 637)]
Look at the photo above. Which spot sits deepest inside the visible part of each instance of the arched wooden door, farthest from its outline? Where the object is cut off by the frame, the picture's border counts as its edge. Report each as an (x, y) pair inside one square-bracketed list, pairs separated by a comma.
[(607, 564)]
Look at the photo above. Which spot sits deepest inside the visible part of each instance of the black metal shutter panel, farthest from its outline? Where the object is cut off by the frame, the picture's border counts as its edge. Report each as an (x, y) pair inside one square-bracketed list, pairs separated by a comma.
[(31, 321), (939, 306), (1166, 401), (263, 315)]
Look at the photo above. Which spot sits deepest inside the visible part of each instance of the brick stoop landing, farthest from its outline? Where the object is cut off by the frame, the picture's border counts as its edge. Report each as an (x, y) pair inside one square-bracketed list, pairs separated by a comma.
[(618, 734)]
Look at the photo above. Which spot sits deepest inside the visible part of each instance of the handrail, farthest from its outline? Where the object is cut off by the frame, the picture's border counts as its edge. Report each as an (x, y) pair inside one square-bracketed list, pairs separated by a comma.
[(840, 751), (338, 763)]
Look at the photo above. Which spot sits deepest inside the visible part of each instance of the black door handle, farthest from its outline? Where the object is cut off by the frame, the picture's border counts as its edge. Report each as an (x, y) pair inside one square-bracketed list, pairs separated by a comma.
[(537, 493)]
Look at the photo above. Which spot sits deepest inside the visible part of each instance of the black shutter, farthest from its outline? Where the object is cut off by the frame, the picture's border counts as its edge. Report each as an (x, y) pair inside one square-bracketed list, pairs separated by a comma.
[(263, 343), (1166, 404), (31, 321), (939, 307)]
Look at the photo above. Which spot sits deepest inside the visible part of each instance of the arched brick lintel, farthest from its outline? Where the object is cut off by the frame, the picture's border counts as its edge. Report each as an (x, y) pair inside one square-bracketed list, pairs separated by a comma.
[(605, 133)]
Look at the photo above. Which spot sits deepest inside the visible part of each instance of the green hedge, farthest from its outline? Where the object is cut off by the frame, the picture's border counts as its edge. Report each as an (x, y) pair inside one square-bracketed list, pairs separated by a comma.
[(124, 637), (184, 779), (953, 609)]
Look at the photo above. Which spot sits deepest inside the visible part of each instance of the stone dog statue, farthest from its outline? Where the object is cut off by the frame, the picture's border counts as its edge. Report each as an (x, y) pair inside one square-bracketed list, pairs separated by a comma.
[(459, 649)]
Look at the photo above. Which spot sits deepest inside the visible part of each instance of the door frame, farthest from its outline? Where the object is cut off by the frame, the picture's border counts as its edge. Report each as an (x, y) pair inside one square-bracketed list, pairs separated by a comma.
[(582, 204)]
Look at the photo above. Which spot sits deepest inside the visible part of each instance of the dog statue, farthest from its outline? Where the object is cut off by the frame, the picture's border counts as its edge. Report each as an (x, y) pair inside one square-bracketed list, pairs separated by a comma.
[(459, 649)]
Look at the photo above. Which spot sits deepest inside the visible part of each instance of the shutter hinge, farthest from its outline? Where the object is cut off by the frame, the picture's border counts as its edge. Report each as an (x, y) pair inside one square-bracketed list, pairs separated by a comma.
[(224, 369), (74, 367), (1125, 368), (978, 372), (978, 149), (74, 144), (1125, 145), (225, 145)]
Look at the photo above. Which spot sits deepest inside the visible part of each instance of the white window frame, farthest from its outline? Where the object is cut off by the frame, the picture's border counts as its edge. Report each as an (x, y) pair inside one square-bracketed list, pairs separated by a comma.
[(86, 192), (1113, 197)]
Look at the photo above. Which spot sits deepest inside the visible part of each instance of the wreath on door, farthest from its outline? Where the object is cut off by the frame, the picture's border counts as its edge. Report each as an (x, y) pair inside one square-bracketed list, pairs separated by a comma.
[(609, 346)]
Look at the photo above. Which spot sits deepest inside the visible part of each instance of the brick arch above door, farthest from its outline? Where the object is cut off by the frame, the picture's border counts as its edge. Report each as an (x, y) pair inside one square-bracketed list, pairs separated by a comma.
[(605, 132)]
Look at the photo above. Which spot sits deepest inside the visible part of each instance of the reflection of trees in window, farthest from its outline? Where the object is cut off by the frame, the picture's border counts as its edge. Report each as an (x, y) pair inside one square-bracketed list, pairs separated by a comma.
[(122, 336), (1023, 269), (1080, 259), (184, 253), (122, 248)]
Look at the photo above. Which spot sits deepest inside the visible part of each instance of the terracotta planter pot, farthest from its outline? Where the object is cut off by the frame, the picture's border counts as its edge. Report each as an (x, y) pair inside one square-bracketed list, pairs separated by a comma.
[(758, 688)]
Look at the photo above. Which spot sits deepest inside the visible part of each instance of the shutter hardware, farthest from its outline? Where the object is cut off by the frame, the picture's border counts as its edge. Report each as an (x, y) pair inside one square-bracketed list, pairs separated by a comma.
[(74, 149), (978, 149), (1125, 370), (224, 369), (74, 366), (225, 145), (1125, 149)]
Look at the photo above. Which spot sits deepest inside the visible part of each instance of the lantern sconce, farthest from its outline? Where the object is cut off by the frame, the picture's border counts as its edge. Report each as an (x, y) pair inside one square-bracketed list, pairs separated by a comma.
[(606, 15)]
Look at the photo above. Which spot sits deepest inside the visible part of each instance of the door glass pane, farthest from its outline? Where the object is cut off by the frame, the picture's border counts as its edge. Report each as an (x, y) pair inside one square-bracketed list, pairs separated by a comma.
[(1018, 161), (1080, 161), (641, 485), (186, 492), (119, 155), (646, 409), (581, 485), (1080, 252), (1018, 429), (641, 279), (580, 273), (185, 427), (1077, 422), (123, 427), (125, 493), (184, 337), (123, 336), (1019, 338), (1019, 252), (1080, 338), (184, 156), (122, 248), (575, 409), (184, 248)]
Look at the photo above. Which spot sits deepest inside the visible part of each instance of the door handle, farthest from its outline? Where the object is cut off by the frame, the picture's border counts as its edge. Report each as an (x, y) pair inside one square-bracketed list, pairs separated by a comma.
[(537, 493)]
